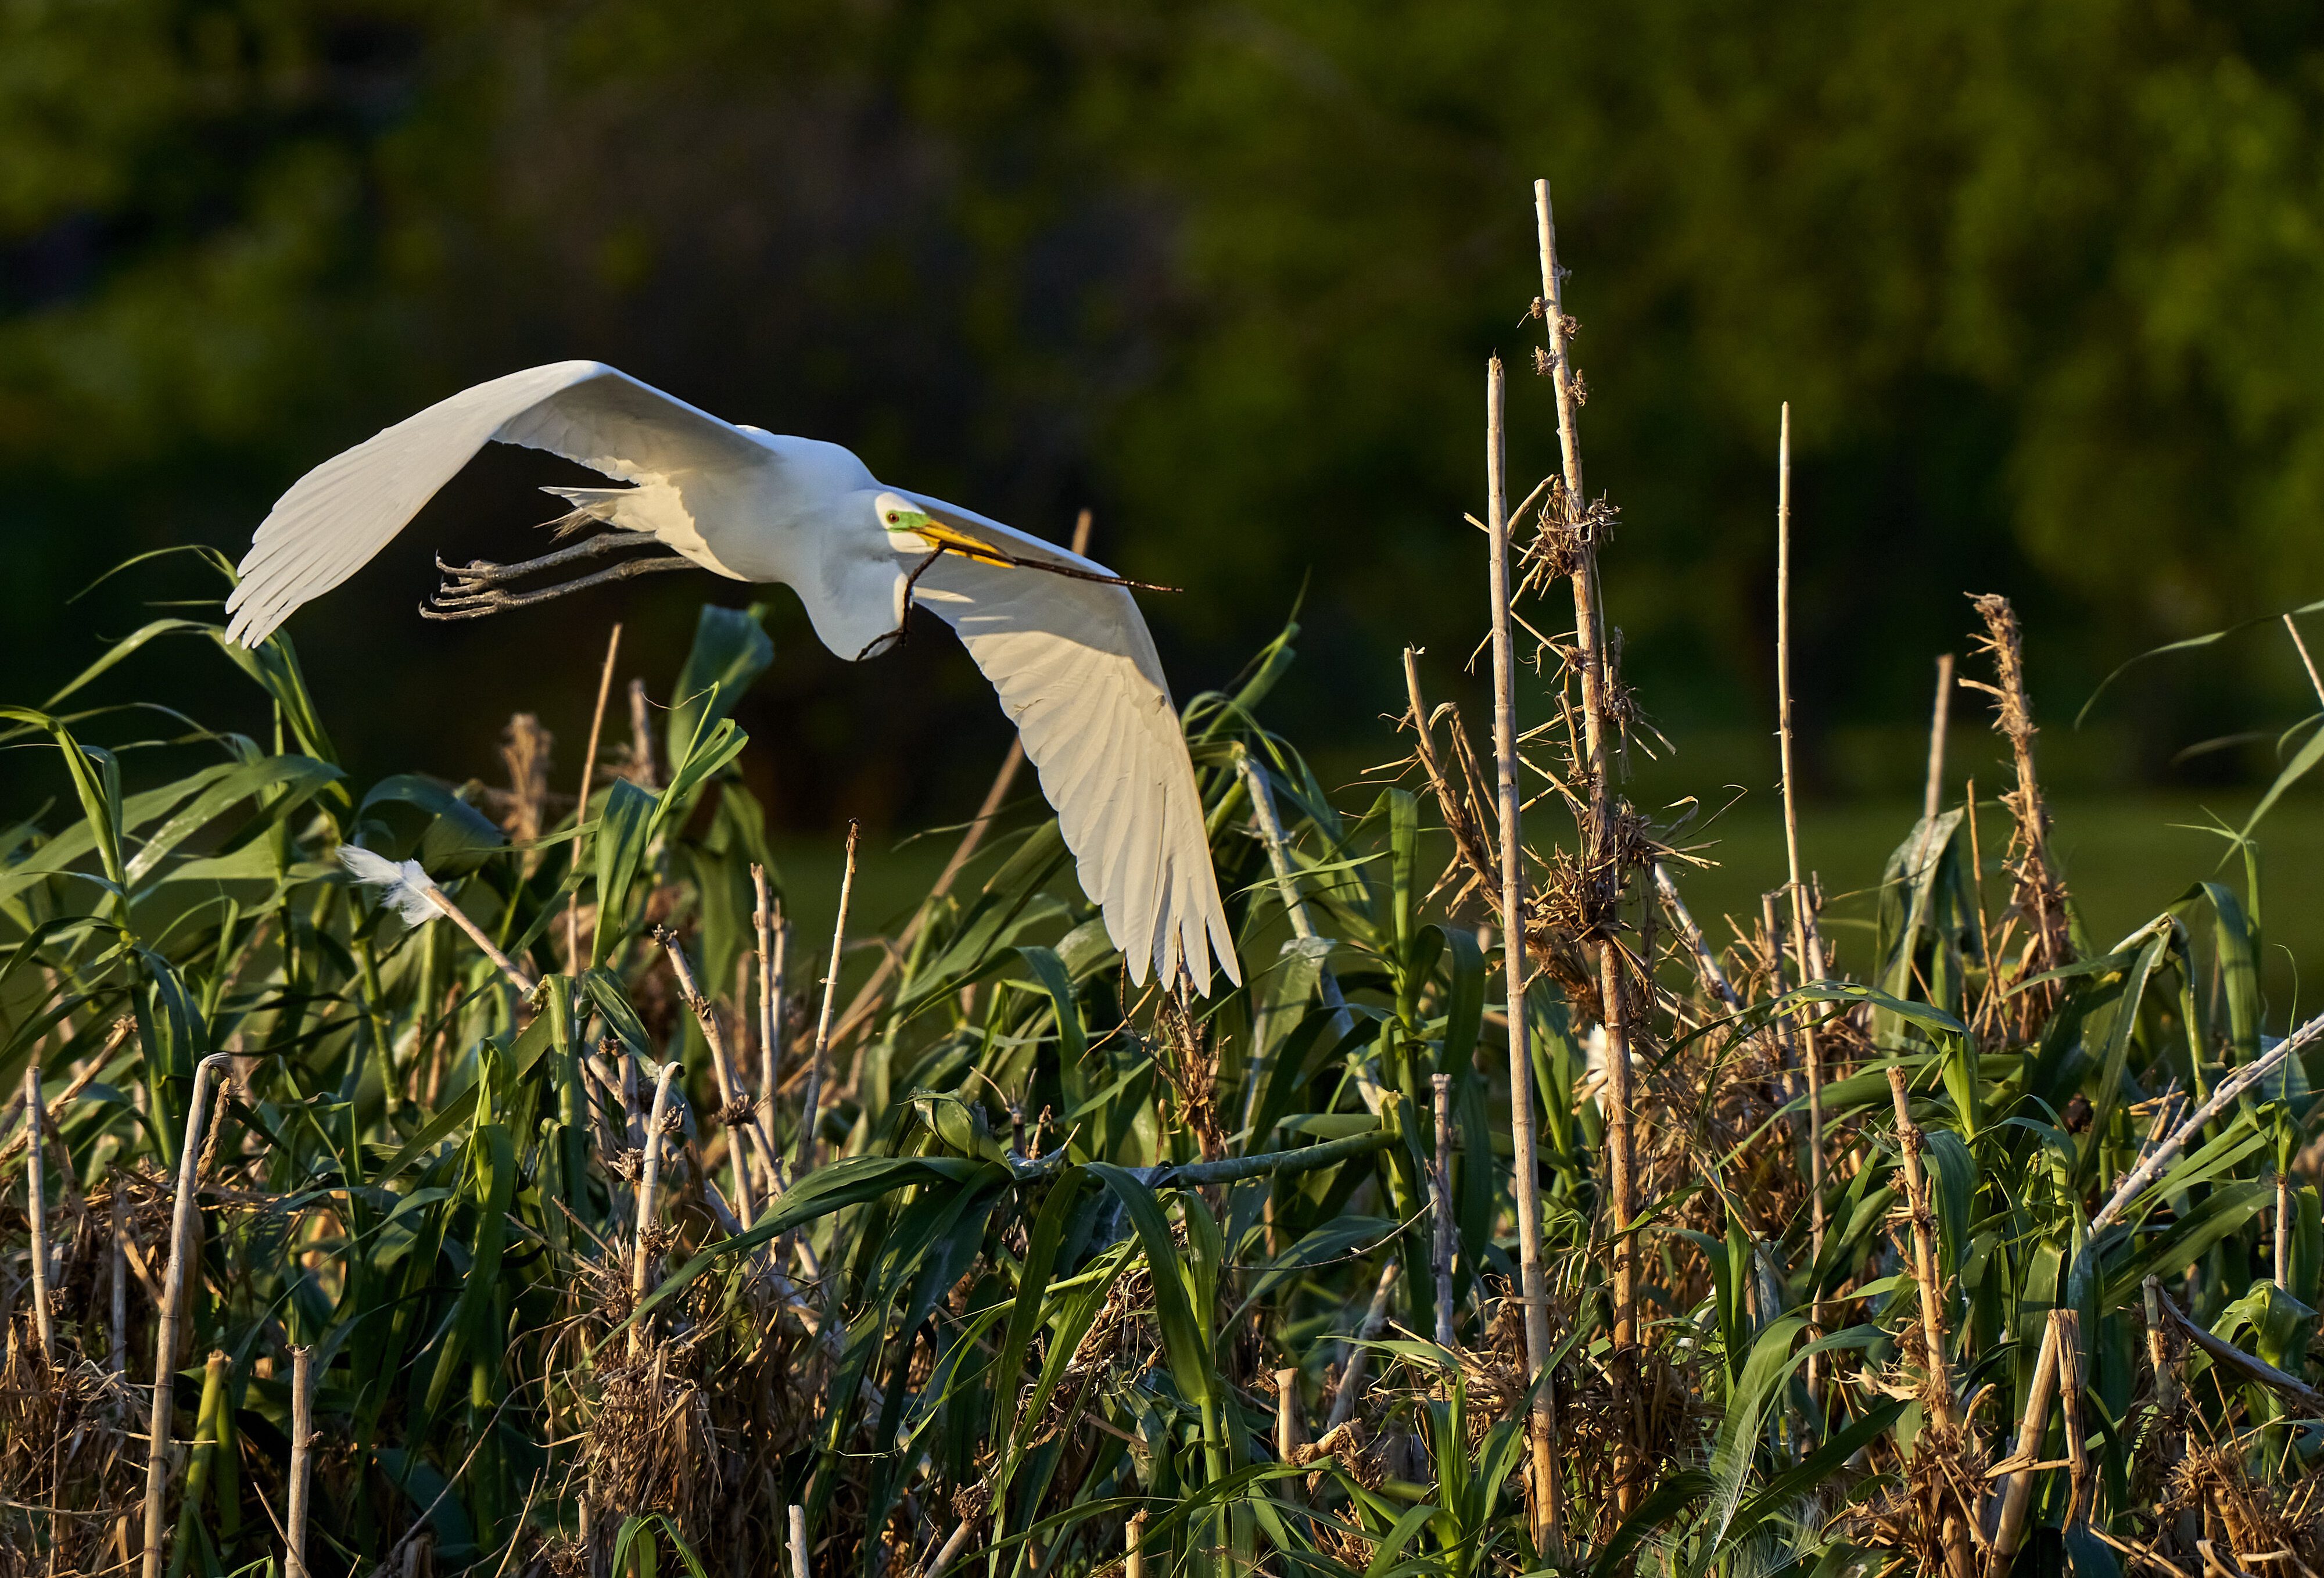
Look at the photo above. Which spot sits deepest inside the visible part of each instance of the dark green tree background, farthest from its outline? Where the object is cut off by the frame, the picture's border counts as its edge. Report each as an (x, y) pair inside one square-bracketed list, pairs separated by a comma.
[(2045, 284)]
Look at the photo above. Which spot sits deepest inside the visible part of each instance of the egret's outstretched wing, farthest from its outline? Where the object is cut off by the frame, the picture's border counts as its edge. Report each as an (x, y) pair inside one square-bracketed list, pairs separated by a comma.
[(1078, 676), (338, 515)]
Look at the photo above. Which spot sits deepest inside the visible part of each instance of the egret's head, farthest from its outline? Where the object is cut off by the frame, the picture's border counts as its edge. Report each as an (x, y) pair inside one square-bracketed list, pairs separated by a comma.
[(902, 519)]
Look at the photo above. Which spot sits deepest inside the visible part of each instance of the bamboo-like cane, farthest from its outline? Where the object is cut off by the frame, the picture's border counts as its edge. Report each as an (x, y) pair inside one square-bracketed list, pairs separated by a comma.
[(1932, 794), (588, 772), (649, 1178), (1440, 1180), (302, 1461), (1533, 1284), (1288, 1427), (809, 1107), (799, 1541), (36, 1202), (173, 1290), (1133, 1564)]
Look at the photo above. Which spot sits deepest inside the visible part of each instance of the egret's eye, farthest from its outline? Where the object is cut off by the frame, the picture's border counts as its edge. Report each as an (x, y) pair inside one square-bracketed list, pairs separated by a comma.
[(893, 517)]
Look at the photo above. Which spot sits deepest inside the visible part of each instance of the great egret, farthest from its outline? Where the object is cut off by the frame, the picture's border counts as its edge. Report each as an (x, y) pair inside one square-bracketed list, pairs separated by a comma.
[(1067, 649)]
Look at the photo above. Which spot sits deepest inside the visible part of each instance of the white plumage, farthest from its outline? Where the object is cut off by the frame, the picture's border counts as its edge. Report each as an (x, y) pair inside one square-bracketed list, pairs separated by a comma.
[(1071, 659)]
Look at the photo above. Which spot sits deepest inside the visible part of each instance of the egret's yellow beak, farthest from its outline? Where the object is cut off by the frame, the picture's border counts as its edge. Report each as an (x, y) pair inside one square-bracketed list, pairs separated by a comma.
[(912, 531)]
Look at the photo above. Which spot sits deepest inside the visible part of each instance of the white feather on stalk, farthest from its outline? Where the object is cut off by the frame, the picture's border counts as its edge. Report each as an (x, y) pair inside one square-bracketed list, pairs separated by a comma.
[(406, 889), (412, 893)]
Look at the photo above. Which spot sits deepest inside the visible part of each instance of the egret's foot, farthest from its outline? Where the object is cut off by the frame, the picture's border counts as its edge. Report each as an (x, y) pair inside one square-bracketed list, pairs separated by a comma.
[(473, 590)]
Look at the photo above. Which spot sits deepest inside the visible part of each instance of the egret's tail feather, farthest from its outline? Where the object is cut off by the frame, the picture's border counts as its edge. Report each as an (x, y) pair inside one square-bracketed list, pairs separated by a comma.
[(590, 505)]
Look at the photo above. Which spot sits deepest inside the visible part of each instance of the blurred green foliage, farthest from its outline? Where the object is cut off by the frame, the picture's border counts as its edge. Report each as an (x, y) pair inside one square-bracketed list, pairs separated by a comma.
[(2043, 284)]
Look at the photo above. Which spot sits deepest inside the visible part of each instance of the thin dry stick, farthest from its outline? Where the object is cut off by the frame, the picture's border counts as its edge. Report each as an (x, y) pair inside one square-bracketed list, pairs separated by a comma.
[(1351, 1370), (1440, 1181), (1809, 963), (1534, 1286), (581, 813), (809, 1107), (649, 1178), (799, 1541), (36, 1192), (1940, 715), (742, 1128), (173, 1293), (2014, 1495), (2306, 662), (458, 916), (302, 1461)]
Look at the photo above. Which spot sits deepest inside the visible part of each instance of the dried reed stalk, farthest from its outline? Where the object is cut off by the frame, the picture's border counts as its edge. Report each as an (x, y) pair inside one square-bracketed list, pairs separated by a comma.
[(649, 1179), (744, 1134), (1939, 1390), (767, 923), (174, 1296), (1809, 963), (1290, 1432), (1698, 947), (949, 1549), (117, 1281), (581, 811), (2040, 897), (1532, 1284), (1602, 861), (1359, 1357), (641, 769), (302, 1458), (1133, 1561), (799, 1541), (36, 1202), (2012, 1494), (809, 1106), (1932, 794), (1440, 1188)]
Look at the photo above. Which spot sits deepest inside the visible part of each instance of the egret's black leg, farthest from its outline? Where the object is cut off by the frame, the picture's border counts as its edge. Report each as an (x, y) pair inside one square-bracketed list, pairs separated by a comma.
[(477, 589)]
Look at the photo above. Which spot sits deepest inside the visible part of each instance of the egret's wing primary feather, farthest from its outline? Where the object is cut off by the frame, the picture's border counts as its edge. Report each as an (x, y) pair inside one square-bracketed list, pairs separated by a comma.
[(338, 516), (1077, 674)]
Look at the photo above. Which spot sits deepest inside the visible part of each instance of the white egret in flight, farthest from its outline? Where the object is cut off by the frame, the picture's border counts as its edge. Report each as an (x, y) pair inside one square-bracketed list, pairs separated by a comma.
[(1058, 635)]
